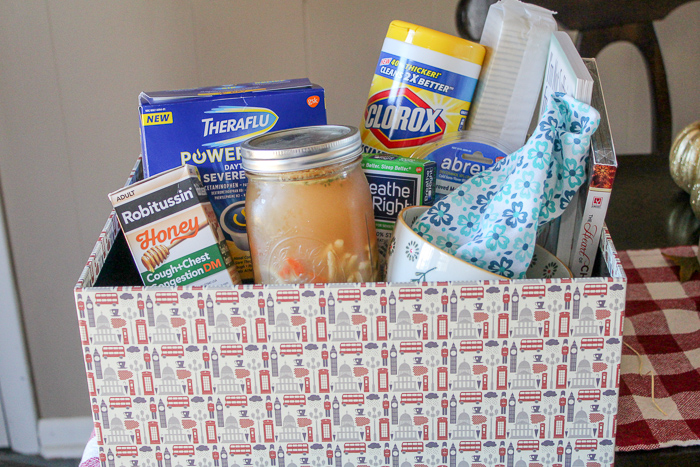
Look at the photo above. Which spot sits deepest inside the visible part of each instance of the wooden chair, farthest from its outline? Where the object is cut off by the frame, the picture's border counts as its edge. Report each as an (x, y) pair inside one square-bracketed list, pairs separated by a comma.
[(601, 22)]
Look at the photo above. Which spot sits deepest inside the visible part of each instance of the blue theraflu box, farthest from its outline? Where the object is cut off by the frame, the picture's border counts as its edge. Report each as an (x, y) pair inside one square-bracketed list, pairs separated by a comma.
[(205, 127)]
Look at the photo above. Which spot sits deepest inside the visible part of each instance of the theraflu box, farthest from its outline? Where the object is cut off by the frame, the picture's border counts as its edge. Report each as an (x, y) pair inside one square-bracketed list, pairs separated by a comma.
[(172, 231), (395, 183), (204, 127)]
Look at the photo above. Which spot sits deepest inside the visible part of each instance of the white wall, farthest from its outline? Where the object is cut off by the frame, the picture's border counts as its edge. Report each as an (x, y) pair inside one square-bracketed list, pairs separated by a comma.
[(71, 73)]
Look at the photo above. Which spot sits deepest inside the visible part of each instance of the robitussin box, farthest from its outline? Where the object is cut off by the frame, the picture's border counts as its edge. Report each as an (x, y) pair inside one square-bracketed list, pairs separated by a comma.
[(172, 230), (487, 372), (205, 127)]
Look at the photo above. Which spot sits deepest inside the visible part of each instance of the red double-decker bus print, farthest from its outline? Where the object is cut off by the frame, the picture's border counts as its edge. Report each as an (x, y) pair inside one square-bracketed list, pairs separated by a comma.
[(178, 401), (294, 399), (411, 347), (106, 298), (124, 451), (166, 297), (471, 292), (113, 351), (528, 445), (469, 446), (227, 296), (583, 444), (291, 349), (531, 344), (172, 351), (240, 449), (411, 446), (588, 395), (472, 345), (122, 402), (231, 349), (297, 448), (529, 396), (592, 343), (353, 399), (411, 398), (236, 401), (595, 289), (290, 295), (410, 293), (470, 397), (349, 295), (354, 448), (183, 450), (534, 291), (350, 348)]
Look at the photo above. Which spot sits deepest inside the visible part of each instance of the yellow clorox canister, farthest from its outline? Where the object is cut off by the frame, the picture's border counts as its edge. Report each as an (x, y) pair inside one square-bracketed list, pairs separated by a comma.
[(422, 88)]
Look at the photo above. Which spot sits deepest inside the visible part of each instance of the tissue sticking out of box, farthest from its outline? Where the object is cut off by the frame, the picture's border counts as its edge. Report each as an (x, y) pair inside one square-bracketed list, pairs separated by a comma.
[(516, 36), (491, 220)]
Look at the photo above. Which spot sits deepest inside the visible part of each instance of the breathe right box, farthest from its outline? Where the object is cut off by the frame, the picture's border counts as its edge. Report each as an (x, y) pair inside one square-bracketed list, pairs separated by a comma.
[(395, 183)]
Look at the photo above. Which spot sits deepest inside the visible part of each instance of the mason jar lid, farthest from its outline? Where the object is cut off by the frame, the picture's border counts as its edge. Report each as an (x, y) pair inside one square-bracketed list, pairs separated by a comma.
[(301, 148)]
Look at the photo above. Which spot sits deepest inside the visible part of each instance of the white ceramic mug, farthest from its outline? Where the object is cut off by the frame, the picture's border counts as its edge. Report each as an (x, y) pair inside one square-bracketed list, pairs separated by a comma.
[(413, 259)]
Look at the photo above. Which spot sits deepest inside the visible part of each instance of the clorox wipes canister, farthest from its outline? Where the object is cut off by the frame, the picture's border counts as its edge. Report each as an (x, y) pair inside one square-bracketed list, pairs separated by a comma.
[(422, 88)]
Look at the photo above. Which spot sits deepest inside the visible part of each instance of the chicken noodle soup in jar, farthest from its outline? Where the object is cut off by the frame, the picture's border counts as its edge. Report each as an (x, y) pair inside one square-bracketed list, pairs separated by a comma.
[(308, 207)]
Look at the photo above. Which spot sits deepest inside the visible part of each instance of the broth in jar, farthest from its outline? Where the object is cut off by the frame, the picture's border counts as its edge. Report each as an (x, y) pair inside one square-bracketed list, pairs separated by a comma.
[(308, 207)]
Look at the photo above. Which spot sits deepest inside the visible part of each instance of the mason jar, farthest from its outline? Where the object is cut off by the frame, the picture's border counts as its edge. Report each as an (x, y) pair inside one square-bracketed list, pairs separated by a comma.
[(308, 207)]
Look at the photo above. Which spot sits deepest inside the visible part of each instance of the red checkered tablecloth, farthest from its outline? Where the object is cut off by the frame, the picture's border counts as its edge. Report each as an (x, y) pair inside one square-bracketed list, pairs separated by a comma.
[(663, 326)]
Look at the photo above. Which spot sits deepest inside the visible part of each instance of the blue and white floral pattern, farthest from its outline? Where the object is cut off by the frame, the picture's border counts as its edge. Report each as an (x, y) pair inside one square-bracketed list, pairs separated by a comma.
[(491, 220)]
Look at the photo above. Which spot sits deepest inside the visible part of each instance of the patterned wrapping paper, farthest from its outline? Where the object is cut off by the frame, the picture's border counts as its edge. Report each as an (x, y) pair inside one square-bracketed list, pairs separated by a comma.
[(663, 325), (453, 374), (470, 369)]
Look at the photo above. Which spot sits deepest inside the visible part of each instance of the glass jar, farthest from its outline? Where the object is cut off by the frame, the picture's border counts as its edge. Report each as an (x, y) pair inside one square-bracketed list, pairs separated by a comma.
[(308, 207)]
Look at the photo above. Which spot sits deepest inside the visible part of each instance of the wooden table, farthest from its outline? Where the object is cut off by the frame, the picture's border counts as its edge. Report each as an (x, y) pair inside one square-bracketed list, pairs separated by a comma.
[(648, 210)]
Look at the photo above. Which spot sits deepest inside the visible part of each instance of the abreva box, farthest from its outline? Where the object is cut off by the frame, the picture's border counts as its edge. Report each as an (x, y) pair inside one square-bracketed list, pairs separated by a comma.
[(172, 231), (397, 182), (205, 127)]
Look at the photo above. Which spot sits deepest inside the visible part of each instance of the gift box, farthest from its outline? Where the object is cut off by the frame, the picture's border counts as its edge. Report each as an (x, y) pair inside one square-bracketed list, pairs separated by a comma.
[(441, 373)]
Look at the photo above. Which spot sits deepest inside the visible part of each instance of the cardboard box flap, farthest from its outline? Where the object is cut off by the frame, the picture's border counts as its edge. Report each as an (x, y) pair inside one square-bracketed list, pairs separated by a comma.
[(160, 97)]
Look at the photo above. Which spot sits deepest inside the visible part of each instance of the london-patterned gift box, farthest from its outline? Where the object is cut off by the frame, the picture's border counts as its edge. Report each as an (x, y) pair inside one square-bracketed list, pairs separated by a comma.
[(489, 373)]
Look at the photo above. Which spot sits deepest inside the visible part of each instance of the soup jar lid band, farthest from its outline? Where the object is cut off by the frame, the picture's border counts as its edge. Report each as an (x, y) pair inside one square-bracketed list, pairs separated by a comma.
[(301, 148)]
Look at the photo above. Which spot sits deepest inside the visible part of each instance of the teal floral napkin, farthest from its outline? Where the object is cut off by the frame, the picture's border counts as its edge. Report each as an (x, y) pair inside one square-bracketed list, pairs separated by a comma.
[(491, 220)]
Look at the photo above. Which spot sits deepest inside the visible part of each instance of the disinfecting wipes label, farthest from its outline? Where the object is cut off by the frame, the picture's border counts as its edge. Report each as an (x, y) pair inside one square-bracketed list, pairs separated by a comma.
[(414, 101)]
